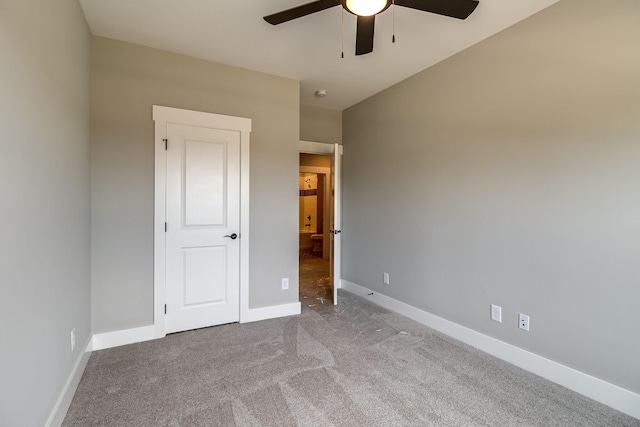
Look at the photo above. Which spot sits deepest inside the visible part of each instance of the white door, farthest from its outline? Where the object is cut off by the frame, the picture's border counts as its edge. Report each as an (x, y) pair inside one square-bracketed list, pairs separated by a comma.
[(203, 227), (336, 223)]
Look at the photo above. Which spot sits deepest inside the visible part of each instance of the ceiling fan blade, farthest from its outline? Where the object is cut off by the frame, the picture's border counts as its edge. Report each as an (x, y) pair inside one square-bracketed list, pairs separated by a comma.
[(300, 11), (364, 34), (460, 9)]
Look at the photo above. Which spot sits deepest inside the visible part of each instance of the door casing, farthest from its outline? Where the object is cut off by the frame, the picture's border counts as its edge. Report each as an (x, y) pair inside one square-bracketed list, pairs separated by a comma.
[(162, 116), (309, 147)]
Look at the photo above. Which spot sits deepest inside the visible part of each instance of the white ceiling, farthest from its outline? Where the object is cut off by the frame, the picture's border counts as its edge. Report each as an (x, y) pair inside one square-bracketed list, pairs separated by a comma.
[(306, 49)]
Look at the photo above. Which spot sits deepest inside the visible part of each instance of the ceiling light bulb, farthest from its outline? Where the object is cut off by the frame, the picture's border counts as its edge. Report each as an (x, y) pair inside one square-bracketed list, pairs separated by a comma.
[(366, 7), (321, 93)]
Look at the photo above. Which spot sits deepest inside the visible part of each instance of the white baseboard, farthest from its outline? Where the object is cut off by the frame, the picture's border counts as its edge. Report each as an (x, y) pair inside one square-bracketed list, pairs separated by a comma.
[(611, 395), (272, 312), (152, 332), (59, 411), (124, 337)]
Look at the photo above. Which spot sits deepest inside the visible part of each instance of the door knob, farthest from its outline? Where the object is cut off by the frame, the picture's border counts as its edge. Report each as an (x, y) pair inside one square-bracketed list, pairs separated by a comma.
[(233, 236)]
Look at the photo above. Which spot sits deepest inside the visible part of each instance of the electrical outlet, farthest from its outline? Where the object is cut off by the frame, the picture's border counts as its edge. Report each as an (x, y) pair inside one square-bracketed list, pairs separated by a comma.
[(496, 313), (523, 321), (73, 339), (385, 278), (285, 284)]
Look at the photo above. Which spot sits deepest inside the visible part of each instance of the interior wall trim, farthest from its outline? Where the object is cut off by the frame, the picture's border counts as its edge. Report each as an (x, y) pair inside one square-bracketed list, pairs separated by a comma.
[(123, 337), (59, 411), (146, 333), (312, 147), (609, 394), (272, 312)]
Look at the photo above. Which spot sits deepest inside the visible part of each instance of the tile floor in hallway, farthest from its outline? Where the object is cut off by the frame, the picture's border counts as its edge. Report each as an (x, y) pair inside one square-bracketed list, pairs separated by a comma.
[(315, 289)]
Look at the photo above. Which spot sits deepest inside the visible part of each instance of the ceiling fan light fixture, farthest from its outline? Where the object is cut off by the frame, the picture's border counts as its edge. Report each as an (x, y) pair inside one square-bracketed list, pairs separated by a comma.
[(365, 7)]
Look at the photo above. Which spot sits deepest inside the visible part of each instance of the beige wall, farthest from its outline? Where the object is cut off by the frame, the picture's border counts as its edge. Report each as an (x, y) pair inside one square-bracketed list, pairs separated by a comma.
[(319, 124), (510, 174), (44, 203), (315, 160), (126, 81)]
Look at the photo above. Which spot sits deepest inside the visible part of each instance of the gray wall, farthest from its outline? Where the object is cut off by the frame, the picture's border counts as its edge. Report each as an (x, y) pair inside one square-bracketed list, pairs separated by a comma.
[(44, 208), (319, 124), (126, 81), (510, 174)]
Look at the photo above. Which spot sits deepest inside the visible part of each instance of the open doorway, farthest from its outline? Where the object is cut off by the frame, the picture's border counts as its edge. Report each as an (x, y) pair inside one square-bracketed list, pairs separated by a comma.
[(314, 230)]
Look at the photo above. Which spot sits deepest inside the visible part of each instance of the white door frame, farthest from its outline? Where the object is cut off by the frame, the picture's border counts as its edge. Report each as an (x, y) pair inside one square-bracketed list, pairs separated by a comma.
[(163, 116), (309, 147)]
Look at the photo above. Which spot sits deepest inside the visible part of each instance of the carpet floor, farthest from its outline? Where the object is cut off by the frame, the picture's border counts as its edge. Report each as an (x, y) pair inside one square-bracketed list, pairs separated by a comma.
[(354, 364)]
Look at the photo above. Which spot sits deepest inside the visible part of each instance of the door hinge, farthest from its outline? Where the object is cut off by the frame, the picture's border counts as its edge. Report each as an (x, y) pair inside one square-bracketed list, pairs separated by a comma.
[(166, 143), (165, 227), (165, 309)]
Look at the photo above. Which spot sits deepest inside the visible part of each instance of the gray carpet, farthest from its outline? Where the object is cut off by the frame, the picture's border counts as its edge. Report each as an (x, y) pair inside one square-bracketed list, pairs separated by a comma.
[(351, 365)]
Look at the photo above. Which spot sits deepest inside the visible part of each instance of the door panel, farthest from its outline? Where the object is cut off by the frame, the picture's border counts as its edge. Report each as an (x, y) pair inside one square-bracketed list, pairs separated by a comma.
[(205, 275), (204, 191), (203, 208)]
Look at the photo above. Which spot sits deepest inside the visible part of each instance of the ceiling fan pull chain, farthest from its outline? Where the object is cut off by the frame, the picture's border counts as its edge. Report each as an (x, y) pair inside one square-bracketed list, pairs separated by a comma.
[(342, 33), (393, 21)]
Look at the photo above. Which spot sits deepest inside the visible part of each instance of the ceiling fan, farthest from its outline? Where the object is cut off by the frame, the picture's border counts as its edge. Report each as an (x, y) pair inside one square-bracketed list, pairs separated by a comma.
[(366, 11)]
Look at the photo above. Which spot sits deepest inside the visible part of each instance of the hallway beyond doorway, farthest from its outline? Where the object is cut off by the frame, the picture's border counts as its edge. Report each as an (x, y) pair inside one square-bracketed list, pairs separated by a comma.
[(315, 288)]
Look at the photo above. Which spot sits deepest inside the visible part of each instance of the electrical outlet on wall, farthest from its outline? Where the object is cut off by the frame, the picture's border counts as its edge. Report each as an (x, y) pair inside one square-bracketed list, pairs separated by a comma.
[(523, 322), (73, 339), (496, 313), (285, 283), (385, 278)]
